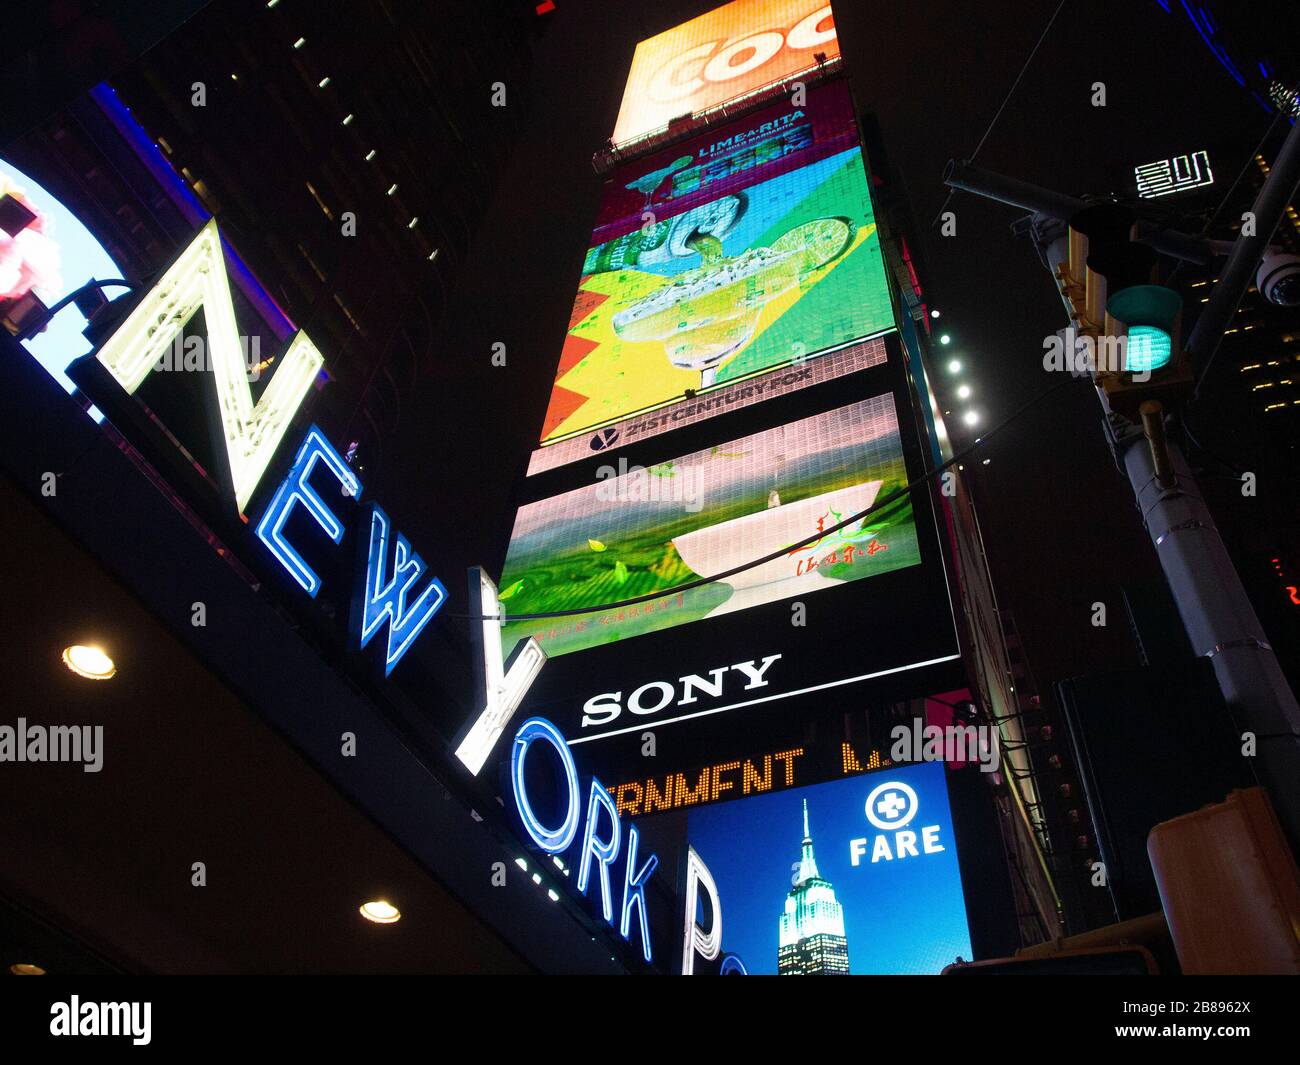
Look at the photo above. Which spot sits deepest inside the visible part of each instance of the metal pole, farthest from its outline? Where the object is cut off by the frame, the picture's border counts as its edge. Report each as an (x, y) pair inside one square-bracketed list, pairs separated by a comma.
[(1017, 193), (1278, 191), (1220, 620)]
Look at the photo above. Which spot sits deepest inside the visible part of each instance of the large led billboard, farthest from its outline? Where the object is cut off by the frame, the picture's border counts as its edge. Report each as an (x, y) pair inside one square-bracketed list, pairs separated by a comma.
[(753, 279), (639, 531), (733, 50), (781, 136), (856, 877)]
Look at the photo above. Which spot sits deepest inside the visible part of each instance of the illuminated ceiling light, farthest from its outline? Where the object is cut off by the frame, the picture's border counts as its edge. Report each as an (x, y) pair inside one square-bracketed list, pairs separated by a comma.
[(552, 895), (370, 155), (380, 911), (347, 119), (392, 189), (300, 42), (537, 878), (934, 314), (272, 3), (234, 76), (954, 366), (963, 392), (986, 462), (433, 255), (323, 83), (413, 222), (522, 864), (89, 662), (22, 968), (945, 339), (970, 417)]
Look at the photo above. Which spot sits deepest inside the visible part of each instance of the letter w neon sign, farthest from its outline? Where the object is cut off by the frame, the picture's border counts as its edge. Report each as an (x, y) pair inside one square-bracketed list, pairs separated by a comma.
[(386, 591)]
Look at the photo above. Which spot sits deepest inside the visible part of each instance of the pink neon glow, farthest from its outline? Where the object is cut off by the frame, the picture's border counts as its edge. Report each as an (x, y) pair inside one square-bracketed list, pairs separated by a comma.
[(29, 260)]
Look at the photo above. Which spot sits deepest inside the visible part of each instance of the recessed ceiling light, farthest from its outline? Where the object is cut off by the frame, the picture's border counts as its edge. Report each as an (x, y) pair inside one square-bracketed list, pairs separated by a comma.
[(89, 662), (934, 314), (300, 42), (963, 392), (370, 155), (22, 968), (380, 911), (970, 417), (945, 339), (954, 366)]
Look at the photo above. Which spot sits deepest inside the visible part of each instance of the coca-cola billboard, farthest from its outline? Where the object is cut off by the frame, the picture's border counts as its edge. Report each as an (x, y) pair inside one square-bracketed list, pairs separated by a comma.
[(733, 50)]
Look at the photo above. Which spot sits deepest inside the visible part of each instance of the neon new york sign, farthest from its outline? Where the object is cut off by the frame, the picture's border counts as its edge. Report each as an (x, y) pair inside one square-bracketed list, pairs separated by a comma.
[(393, 588)]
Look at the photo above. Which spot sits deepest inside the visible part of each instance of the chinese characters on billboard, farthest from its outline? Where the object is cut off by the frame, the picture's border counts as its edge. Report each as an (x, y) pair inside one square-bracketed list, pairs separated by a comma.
[(639, 531)]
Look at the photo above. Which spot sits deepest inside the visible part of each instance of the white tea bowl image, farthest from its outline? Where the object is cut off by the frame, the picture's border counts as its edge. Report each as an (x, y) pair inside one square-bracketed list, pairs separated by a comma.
[(717, 548)]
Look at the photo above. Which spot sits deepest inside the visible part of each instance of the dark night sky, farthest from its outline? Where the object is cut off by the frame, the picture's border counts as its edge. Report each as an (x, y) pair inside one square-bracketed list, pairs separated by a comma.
[(1058, 519)]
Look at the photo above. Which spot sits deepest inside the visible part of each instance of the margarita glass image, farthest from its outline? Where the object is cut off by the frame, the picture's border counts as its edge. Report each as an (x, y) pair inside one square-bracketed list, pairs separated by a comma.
[(709, 313), (717, 548)]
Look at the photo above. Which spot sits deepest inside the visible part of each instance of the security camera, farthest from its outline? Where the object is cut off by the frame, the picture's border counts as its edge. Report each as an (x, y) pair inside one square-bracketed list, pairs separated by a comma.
[(1279, 279)]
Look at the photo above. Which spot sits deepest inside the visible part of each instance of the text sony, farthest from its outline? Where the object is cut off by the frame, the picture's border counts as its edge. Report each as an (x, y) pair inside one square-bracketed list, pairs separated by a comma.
[(657, 695)]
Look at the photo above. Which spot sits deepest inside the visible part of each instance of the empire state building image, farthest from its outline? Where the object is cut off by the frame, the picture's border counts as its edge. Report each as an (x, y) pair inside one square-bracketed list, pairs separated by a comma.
[(812, 926)]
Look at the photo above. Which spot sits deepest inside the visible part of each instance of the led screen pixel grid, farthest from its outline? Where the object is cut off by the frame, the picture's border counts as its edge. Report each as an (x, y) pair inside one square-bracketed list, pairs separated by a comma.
[(754, 279), (733, 50), (644, 531)]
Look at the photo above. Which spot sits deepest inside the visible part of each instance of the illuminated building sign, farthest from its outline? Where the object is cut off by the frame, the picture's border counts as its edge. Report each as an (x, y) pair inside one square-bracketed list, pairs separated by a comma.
[(738, 778), (736, 49), (1167, 176), (772, 140), (857, 876), (713, 510), (582, 833), (726, 398), (197, 281), (708, 292), (565, 817), (393, 589)]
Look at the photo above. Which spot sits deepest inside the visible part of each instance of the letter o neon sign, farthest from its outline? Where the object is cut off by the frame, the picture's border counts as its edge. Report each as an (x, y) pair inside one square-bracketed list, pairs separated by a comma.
[(551, 840)]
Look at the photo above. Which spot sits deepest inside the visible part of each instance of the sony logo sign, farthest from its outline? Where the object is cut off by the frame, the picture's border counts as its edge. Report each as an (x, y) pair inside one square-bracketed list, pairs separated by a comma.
[(605, 708)]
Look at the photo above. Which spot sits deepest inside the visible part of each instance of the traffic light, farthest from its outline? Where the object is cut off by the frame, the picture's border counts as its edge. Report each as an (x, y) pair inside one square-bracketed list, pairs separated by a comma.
[(1133, 322)]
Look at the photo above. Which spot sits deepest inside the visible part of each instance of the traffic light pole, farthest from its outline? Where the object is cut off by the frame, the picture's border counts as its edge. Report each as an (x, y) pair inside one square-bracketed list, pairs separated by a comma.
[(1216, 612)]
